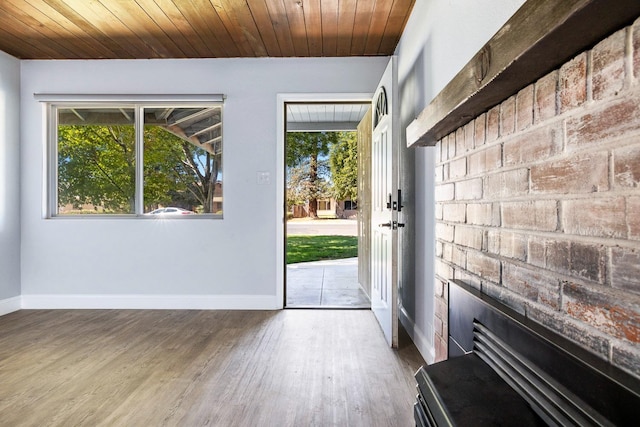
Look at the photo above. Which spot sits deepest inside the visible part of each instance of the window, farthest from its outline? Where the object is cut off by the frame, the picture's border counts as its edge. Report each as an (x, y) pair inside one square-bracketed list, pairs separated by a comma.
[(350, 205), (148, 160), (324, 205)]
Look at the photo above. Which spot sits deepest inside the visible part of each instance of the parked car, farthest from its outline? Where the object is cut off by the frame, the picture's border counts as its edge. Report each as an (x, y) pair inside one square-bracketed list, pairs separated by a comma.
[(170, 211)]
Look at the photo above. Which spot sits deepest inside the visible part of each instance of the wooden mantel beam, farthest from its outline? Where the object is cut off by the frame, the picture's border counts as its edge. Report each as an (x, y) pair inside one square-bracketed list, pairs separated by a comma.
[(540, 37)]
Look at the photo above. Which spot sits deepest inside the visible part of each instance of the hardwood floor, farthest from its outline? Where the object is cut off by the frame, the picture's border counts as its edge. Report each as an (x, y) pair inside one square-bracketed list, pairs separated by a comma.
[(196, 368)]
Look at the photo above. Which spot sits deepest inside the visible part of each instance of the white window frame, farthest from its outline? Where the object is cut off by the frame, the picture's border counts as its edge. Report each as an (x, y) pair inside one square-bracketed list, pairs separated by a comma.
[(138, 102)]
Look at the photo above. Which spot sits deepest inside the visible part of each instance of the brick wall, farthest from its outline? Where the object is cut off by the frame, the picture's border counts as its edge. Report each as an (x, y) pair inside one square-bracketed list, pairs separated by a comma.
[(538, 203)]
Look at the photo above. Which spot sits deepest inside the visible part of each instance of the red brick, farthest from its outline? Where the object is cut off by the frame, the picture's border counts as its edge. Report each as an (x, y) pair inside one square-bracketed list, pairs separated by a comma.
[(485, 160), (439, 289), (441, 308), (445, 253), (636, 48), (538, 215), (469, 279), (532, 284), (573, 83), (533, 146), (483, 214), (458, 167), (470, 189), (588, 261), (454, 212), (558, 256), (633, 217), (587, 337), (608, 66), (523, 282), (493, 157), (513, 245), (585, 173), (536, 251), (480, 124), (507, 184), (477, 163), (506, 296), (508, 116), (595, 217), (444, 192), (545, 91), (493, 241), (469, 237), (439, 173), (524, 108), (469, 134), (444, 152), (459, 257), (493, 124), (438, 326), (441, 349), (625, 269), (484, 266), (579, 332), (609, 311), (443, 270), (445, 172), (451, 144), (543, 315), (626, 166), (444, 232), (460, 141), (550, 296), (613, 121), (626, 357)]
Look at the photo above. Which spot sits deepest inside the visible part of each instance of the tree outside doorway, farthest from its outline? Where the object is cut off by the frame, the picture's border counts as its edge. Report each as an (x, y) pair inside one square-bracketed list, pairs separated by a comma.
[(321, 166)]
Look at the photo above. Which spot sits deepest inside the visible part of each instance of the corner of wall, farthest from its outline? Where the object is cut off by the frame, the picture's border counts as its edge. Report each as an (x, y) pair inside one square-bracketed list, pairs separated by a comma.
[(9, 180)]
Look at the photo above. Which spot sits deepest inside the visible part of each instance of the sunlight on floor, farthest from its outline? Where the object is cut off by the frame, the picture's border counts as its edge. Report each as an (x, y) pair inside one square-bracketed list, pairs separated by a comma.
[(331, 283)]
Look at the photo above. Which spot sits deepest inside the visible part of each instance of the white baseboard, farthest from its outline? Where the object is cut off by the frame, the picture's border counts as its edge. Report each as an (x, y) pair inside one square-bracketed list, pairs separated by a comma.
[(420, 339), (151, 302), (9, 305)]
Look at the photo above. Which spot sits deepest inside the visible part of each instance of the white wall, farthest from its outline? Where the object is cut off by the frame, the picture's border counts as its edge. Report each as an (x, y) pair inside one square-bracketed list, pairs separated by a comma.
[(439, 39), (70, 262), (9, 183)]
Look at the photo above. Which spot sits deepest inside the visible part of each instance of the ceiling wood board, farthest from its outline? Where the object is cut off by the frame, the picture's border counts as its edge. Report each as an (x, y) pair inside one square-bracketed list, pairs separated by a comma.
[(540, 37), (128, 29)]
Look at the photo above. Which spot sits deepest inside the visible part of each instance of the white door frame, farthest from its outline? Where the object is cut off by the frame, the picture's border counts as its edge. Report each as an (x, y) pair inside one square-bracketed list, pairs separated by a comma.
[(281, 116)]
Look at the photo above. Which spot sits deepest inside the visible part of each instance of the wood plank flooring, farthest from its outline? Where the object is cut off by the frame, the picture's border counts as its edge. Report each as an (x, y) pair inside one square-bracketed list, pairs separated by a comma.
[(197, 368)]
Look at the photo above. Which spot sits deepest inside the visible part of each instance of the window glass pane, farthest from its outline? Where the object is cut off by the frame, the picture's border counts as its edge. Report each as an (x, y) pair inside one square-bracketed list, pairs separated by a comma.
[(96, 161), (183, 159)]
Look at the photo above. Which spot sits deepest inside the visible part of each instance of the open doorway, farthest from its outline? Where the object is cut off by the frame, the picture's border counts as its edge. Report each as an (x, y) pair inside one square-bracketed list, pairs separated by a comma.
[(325, 203)]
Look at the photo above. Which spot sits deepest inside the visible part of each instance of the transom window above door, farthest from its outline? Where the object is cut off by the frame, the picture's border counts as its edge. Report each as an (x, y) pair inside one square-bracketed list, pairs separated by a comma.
[(135, 159)]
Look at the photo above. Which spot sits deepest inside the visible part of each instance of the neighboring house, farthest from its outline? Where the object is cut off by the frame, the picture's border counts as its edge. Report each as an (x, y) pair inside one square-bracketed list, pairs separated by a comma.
[(534, 200), (328, 208)]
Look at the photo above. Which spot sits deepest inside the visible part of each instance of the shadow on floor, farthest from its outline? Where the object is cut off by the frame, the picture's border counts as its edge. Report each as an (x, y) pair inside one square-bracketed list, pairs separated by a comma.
[(330, 284)]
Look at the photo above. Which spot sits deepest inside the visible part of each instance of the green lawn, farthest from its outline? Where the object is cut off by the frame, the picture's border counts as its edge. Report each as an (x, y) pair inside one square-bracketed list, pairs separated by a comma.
[(315, 248)]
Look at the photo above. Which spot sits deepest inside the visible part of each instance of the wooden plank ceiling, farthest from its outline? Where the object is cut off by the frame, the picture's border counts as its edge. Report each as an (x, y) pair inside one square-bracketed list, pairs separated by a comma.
[(317, 117), (128, 29)]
